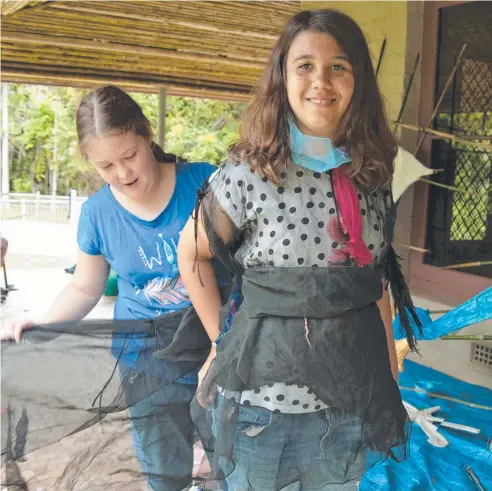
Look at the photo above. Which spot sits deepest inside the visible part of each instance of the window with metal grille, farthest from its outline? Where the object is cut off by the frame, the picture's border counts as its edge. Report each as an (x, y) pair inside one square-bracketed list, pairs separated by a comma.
[(459, 226)]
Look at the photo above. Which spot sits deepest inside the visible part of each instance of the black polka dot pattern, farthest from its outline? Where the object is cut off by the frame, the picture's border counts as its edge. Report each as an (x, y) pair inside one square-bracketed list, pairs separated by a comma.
[(294, 224), (282, 396)]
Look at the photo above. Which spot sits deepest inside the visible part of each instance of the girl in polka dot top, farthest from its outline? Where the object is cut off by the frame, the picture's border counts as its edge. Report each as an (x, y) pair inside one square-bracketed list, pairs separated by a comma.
[(302, 384)]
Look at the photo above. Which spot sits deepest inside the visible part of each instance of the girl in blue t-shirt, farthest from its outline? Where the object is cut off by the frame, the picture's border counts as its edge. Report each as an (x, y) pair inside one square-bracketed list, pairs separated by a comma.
[(132, 225)]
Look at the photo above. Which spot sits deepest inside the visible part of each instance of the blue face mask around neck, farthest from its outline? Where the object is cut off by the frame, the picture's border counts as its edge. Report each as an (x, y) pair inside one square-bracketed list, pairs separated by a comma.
[(315, 153)]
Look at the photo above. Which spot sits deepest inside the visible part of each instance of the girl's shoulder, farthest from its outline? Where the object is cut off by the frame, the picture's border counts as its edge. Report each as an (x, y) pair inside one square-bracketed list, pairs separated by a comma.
[(195, 170), (235, 174), (98, 201)]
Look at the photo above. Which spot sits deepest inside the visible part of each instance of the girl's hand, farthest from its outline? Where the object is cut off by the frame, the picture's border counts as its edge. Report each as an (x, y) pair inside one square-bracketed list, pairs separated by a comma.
[(203, 371), (14, 330)]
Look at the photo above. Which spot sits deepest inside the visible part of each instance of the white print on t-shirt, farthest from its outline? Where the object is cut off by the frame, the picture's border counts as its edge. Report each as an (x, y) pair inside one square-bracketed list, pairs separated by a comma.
[(166, 291), (169, 252)]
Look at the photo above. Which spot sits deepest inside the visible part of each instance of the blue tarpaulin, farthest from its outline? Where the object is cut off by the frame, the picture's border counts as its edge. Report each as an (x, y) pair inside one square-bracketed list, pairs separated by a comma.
[(440, 469), (473, 311)]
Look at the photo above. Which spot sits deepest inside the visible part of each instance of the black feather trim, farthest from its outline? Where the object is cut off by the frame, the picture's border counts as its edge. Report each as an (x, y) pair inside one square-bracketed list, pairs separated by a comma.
[(401, 297)]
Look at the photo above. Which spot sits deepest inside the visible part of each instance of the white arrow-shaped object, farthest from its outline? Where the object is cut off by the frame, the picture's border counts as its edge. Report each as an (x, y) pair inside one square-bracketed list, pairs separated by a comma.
[(425, 419)]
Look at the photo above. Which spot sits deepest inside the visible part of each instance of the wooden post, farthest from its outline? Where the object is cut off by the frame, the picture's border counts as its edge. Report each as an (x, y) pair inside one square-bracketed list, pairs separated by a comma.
[(54, 163), (38, 199), (162, 117), (74, 211), (5, 140)]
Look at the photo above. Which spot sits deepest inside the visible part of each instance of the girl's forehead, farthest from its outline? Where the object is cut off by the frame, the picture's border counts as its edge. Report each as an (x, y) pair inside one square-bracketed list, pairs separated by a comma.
[(113, 142), (314, 43)]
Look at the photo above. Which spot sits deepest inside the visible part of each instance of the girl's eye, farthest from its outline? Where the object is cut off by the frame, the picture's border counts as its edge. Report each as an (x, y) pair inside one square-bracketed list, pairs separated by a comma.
[(305, 66), (338, 68), (131, 156), (106, 167)]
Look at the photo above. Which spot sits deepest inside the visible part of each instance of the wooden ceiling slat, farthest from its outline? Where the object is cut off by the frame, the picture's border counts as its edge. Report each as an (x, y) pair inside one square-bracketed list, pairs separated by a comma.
[(110, 11), (208, 48), (8, 7), (122, 61), (94, 46), (68, 66), (142, 36), (159, 78)]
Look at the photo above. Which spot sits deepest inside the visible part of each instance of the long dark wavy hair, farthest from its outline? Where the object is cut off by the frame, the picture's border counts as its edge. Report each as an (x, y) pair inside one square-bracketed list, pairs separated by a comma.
[(364, 132), (109, 109)]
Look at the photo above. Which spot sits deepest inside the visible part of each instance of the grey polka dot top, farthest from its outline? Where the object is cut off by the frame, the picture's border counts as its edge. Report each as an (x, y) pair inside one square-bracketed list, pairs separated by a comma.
[(295, 224)]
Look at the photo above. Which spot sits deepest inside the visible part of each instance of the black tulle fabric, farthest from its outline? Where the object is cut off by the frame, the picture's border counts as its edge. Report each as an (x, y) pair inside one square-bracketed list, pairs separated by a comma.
[(319, 327), (69, 393)]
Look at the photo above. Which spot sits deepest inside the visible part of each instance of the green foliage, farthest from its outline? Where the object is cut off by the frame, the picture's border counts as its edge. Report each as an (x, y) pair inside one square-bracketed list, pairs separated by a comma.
[(199, 130), (470, 212), (42, 135)]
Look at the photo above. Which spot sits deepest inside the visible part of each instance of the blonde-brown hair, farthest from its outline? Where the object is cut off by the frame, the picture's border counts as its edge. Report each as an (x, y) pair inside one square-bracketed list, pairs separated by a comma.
[(108, 109)]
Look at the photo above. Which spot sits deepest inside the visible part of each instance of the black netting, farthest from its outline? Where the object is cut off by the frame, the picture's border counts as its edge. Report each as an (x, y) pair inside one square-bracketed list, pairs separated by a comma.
[(100, 405), (460, 225), (316, 328)]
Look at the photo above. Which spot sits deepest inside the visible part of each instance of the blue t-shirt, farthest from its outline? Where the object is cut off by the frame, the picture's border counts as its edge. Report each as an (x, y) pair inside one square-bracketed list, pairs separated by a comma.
[(143, 253)]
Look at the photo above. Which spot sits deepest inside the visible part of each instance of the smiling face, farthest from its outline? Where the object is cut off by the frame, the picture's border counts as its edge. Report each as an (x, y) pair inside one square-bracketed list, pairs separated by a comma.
[(125, 161), (319, 83)]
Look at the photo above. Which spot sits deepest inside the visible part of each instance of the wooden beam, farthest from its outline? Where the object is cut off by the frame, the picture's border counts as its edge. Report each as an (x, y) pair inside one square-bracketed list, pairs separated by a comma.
[(448, 136), (138, 76), (187, 79), (64, 42), (441, 97), (162, 117), (137, 85)]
